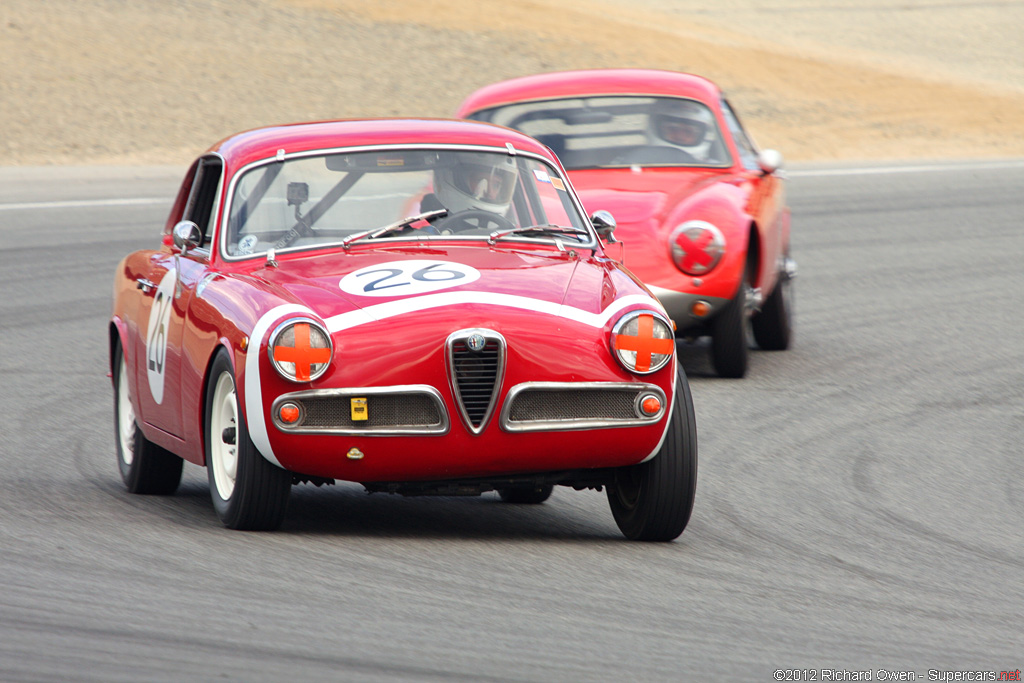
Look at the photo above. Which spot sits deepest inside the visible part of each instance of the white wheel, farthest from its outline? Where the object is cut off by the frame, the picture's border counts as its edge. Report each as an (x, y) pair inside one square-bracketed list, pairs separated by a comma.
[(125, 417), (223, 432), (248, 492), (144, 466)]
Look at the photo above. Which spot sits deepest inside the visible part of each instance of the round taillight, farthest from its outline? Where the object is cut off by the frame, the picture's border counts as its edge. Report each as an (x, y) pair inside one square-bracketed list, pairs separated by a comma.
[(697, 247)]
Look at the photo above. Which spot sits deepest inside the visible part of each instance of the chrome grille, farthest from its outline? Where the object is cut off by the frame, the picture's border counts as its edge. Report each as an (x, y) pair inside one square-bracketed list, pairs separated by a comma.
[(386, 410), (554, 406), (476, 375), (573, 404), (406, 409)]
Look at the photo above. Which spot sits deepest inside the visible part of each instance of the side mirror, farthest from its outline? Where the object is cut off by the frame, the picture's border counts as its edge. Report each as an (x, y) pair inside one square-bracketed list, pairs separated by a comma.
[(186, 235), (769, 161), (604, 223)]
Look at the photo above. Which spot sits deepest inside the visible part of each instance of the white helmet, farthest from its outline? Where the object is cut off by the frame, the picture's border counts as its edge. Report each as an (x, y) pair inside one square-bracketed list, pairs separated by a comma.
[(684, 124), (475, 180)]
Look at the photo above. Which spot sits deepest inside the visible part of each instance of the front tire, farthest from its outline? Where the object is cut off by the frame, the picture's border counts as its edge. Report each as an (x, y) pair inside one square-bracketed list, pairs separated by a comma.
[(773, 324), (248, 492), (729, 338), (145, 467), (653, 501)]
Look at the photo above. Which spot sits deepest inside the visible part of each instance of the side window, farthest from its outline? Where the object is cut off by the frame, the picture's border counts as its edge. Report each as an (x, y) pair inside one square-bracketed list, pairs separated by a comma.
[(202, 201), (747, 150)]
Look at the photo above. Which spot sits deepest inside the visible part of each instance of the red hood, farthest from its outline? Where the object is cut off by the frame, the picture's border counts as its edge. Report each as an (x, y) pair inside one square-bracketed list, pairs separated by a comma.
[(638, 197), (337, 283)]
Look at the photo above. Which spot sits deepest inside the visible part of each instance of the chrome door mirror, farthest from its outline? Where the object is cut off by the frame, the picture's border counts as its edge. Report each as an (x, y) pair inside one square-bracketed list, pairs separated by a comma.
[(604, 223), (769, 161), (186, 236)]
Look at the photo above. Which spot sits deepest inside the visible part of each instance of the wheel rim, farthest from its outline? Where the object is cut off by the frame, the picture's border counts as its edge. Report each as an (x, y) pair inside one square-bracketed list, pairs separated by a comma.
[(224, 452), (125, 416)]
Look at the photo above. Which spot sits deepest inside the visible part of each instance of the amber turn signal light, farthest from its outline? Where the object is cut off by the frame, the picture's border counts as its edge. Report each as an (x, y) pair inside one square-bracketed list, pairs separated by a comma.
[(288, 413)]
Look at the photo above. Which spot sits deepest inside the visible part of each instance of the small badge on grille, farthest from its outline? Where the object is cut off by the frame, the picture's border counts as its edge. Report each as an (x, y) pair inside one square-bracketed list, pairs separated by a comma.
[(354, 454), (476, 343), (359, 410)]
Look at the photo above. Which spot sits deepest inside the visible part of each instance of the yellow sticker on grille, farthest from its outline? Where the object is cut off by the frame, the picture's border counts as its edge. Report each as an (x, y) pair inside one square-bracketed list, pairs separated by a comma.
[(359, 410)]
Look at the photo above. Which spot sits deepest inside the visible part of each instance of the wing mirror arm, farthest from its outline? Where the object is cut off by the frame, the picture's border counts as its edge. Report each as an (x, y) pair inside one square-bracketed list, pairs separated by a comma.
[(604, 223), (186, 235)]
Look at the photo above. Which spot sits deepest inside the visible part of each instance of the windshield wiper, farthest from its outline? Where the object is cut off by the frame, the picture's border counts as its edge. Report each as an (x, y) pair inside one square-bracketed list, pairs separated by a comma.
[(539, 230), (394, 227)]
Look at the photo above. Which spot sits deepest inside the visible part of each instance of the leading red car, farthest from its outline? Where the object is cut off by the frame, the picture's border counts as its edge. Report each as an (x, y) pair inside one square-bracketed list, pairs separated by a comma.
[(701, 211), (420, 306)]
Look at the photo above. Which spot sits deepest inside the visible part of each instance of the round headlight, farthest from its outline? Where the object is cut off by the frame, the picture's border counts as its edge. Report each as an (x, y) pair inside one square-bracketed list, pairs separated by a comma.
[(697, 247), (643, 341), (300, 350)]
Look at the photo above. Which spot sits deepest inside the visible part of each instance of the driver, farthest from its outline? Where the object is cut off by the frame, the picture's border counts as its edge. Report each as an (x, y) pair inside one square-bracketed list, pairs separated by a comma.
[(682, 124), (476, 181)]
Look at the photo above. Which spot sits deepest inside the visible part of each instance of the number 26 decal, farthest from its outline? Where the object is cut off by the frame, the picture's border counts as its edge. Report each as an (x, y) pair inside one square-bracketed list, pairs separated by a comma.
[(402, 278)]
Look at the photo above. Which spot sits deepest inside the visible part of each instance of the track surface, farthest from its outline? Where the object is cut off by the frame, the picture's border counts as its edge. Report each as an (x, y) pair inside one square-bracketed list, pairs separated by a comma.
[(859, 502)]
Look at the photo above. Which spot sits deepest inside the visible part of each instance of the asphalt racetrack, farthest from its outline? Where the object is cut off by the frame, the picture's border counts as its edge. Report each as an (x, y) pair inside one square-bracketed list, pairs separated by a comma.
[(859, 504)]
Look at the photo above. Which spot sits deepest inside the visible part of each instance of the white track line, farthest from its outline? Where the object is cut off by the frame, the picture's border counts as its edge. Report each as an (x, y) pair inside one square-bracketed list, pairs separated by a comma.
[(84, 203)]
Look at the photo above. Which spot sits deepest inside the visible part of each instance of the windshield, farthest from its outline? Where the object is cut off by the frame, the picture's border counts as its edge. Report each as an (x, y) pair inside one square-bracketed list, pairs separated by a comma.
[(399, 194), (620, 131)]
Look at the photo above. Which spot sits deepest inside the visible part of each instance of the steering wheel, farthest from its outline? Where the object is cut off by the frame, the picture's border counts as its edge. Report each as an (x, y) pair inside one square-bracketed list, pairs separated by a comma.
[(461, 222)]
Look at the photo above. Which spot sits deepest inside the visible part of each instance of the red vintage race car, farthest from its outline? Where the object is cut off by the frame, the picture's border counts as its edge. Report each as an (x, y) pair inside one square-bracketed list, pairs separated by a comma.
[(662, 159), (420, 306)]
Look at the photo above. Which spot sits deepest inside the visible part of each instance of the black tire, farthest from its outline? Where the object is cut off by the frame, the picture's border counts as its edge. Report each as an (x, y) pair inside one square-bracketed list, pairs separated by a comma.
[(652, 501), (773, 324), (248, 492), (730, 343), (145, 467), (526, 495)]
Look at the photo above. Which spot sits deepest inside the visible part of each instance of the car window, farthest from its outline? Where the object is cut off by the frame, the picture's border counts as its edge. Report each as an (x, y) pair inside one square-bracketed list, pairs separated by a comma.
[(321, 199), (202, 199), (619, 131), (745, 146)]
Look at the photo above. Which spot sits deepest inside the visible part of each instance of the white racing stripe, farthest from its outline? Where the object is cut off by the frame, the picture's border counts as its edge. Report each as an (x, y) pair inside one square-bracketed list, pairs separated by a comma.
[(420, 303), (84, 203)]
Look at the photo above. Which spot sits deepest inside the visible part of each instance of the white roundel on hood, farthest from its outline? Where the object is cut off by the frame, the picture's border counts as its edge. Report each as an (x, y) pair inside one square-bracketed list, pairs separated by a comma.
[(407, 278)]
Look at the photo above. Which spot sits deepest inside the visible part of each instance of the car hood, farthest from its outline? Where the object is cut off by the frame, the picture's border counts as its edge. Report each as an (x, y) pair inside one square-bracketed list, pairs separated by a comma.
[(637, 197), (385, 281)]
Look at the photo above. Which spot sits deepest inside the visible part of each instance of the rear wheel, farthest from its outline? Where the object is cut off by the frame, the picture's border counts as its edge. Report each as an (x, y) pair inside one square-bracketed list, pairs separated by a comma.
[(773, 324), (652, 501), (526, 495), (248, 492), (145, 467)]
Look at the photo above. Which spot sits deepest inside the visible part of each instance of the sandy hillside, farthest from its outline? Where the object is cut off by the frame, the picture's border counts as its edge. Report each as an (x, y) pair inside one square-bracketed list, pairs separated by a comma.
[(156, 82)]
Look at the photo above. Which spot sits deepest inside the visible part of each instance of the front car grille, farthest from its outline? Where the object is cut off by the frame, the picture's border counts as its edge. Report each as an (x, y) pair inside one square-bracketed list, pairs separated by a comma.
[(558, 406), (413, 409), (475, 375)]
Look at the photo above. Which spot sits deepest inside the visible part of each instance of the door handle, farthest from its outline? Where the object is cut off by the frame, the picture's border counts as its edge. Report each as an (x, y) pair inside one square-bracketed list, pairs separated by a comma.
[(145, 285)]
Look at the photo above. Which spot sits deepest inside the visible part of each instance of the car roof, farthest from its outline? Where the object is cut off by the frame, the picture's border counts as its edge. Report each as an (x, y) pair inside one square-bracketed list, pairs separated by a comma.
[(261, 143), (591, 82)]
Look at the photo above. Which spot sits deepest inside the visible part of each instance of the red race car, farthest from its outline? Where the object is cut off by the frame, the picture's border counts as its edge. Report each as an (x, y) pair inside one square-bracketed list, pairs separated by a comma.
[(702, 212), (420, 306)]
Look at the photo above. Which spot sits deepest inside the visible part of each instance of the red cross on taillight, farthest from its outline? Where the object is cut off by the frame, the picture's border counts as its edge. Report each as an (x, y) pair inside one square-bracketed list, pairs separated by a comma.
[(697, 247), (302, 354), (644, 343)]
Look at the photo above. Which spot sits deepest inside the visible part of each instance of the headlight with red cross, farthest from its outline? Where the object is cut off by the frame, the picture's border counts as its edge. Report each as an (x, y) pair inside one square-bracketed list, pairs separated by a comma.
[(643, 341), (300, 350), (697, 247)]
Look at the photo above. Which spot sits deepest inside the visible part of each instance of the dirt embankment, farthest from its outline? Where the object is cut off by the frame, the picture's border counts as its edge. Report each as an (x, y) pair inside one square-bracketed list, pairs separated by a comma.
[(150, 82)]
